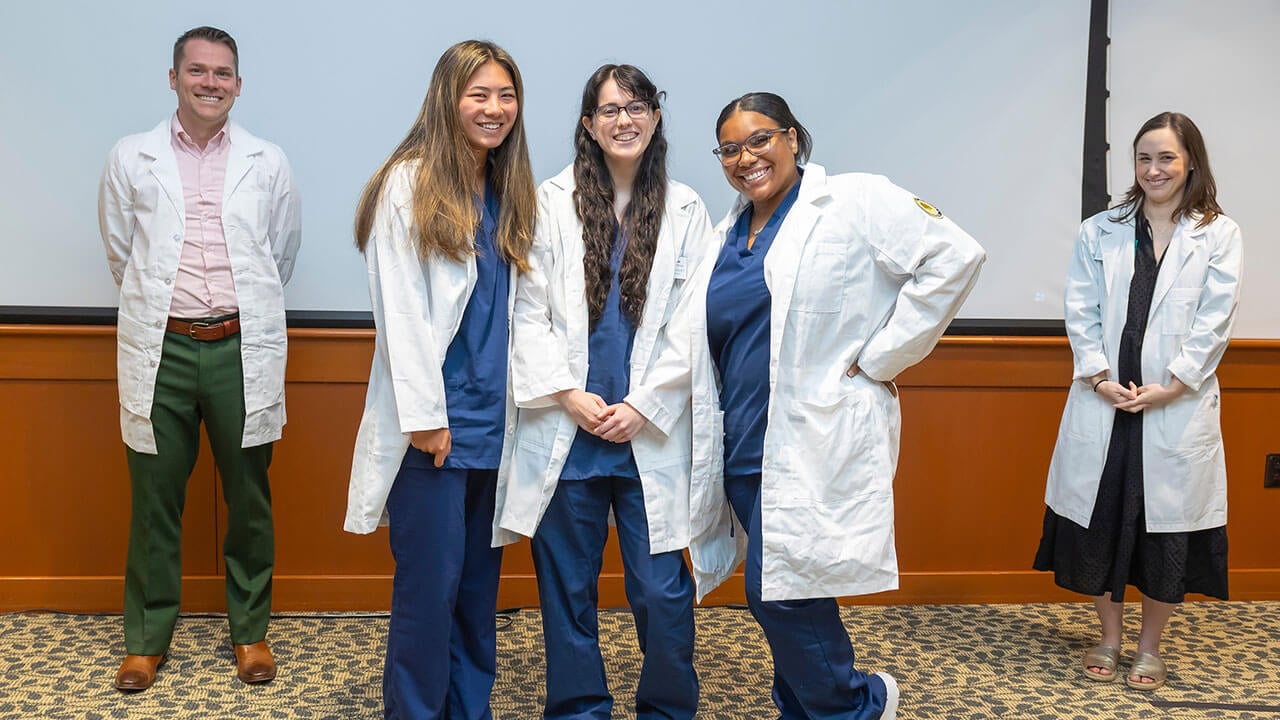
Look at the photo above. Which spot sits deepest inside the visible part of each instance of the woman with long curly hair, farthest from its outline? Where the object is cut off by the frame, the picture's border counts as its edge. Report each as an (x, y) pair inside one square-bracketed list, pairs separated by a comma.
[(603, 387)]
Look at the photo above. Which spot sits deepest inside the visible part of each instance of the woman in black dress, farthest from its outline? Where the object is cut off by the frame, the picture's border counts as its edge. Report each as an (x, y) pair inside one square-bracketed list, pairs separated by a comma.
[(1137, 485)]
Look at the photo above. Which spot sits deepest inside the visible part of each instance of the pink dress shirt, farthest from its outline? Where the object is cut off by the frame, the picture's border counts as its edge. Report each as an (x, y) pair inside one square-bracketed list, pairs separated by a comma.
[(204, 287)]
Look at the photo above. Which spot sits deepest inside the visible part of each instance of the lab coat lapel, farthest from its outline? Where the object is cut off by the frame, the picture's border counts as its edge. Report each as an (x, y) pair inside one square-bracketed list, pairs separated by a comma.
[(782, 265), (1183, 243), (158, 148), (1116, 245), (661, 274), (244, 151)]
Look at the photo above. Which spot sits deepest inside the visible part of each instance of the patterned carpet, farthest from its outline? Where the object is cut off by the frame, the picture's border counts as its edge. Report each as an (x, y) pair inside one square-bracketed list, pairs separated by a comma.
[(962, 661)]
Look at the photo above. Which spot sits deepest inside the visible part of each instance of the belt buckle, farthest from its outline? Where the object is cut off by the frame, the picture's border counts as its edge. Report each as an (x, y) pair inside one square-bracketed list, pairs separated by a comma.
[(191, 331)]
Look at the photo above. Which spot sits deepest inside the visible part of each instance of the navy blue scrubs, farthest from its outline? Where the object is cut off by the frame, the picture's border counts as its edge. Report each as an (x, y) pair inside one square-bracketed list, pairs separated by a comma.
[(814, 674), (568, 549), (441, 643)]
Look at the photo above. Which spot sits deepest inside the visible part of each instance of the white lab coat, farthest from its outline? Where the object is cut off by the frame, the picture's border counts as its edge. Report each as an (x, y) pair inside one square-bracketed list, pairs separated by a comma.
[(859, 272), (417, 309), (550, 333), (1192, 311), (142, 217)]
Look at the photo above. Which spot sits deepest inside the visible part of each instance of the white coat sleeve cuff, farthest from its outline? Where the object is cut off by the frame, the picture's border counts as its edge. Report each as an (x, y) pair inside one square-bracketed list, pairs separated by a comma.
[(1187, 372), (1090, 365), (876, 371), (646, 402), (541, 394)]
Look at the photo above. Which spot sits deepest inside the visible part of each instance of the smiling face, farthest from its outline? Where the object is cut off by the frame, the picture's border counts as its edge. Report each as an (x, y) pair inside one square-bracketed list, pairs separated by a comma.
[(207, 86), (624, 138), (766, 178), (1160, 166), (488, 108)]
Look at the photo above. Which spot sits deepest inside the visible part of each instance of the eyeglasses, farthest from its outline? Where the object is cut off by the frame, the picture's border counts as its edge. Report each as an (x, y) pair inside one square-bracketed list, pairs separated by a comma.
[(756, 144), (610, 112)]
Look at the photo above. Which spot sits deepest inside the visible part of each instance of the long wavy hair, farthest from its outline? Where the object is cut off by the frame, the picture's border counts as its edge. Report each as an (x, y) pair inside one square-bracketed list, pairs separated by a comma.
[(594, 194), (444, 210), (1200, 195)]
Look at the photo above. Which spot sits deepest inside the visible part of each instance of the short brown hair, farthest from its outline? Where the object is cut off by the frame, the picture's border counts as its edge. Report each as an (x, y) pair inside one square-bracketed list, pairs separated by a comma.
[(212, 34)]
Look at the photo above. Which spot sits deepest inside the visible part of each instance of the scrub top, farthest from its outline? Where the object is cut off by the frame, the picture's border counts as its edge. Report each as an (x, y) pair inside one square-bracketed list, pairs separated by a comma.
[(738, 303), (609, 376), (475, 365)]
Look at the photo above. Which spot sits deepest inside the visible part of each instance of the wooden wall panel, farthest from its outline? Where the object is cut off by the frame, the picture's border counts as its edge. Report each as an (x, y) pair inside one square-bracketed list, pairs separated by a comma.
[(979, 421)]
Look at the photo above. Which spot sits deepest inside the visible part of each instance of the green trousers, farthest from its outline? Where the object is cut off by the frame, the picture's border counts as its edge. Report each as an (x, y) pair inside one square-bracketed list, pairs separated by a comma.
[(197, 381)]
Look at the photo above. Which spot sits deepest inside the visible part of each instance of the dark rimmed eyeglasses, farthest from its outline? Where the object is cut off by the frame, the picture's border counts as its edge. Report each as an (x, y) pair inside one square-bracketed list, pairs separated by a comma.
[(755, 144), (609, 112)]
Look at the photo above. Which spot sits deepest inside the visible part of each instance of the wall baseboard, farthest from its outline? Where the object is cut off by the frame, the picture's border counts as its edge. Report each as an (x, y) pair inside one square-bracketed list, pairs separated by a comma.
[(372, 593)]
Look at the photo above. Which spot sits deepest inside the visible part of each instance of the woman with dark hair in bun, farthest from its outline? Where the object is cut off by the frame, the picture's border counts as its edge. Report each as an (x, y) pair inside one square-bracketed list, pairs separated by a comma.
[(824, 288)]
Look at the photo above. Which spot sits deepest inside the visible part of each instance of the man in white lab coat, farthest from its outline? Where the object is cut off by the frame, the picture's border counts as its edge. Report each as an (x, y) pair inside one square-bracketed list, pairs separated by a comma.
[(201, 223)]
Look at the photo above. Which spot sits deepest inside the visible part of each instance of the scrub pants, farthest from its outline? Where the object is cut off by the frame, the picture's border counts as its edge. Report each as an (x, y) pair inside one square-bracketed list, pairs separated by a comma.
[(568, 549), (442, 639), (197, 381), (813, 673)]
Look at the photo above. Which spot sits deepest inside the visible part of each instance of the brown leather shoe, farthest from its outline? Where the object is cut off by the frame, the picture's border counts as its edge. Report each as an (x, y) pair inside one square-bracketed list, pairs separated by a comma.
[(254, 663), (137, 672)]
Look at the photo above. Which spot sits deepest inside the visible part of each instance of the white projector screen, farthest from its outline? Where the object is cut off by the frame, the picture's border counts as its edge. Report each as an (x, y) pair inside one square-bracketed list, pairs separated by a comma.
[(978, 107), (1216, 62)]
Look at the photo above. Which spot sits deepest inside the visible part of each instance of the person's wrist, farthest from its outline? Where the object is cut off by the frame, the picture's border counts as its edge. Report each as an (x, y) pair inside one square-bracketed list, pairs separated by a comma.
[(1095, 385)]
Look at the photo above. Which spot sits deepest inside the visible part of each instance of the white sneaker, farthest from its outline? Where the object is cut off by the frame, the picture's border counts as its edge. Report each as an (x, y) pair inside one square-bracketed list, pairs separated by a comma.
[(891, 696)]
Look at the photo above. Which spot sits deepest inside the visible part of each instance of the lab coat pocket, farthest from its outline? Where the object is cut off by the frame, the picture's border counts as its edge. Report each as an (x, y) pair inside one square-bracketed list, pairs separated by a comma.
[(838, 548), (1179, 310), (536, 429), (838, 449), (250, 210), (136, 363), (1191, 426), (263, 364), (1084, 417), (823, 271)]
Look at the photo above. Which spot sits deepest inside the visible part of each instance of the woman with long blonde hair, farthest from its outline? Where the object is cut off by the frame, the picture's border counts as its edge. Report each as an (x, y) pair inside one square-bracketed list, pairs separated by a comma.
[(445, 226)]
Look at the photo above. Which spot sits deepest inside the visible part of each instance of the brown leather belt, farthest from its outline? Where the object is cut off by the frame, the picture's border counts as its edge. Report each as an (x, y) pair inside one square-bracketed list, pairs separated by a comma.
[(204, 331)]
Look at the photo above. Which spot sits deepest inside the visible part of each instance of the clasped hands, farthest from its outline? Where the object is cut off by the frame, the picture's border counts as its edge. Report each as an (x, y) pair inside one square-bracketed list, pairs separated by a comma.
[(1136, 398), (616, 423)]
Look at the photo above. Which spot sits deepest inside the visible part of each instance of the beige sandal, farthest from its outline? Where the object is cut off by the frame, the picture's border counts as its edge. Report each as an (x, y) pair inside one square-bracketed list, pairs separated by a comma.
[(1101, 656), (1146, 665)]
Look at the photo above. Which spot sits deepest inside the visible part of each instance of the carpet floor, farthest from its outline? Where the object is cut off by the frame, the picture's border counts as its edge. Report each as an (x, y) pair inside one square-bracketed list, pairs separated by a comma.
[(952, 661)]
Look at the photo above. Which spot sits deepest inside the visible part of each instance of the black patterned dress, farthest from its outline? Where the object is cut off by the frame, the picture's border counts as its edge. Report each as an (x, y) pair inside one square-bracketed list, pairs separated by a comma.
[(1116, 549)]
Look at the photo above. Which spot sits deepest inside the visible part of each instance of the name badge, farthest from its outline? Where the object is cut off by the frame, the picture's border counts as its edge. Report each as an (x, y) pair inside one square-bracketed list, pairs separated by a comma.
[(682, 269)]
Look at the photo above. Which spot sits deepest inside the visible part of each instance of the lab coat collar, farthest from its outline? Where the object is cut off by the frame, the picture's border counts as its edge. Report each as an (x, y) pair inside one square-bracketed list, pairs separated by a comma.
[(1117, 239), (564, 179), (157, 146)]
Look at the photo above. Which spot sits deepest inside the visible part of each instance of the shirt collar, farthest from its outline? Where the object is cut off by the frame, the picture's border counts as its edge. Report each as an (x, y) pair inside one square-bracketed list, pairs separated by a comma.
[(183, 140)]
